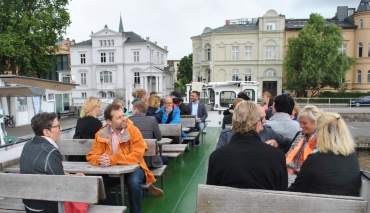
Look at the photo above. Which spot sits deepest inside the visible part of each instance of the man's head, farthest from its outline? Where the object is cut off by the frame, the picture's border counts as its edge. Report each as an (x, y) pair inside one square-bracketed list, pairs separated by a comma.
[(262, 114), (115, 117), (175, 94), (46, 124), (139, 107), (284, 103), (194, 96), (168, 102), (246, 117), (243, 95), (236, 101)]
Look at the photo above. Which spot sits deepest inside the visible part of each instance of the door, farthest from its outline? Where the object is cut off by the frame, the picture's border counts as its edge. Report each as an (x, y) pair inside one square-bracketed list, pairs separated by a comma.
[(271, 87)]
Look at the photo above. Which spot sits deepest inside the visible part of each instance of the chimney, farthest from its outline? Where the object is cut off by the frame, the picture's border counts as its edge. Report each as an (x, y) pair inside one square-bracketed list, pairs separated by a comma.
[(227, 22), (342, 13), (147, 39), (165, 47)]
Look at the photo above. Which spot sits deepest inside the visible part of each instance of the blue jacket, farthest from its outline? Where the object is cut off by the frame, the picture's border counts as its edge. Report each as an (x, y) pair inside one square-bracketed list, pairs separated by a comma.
[(175, 115)]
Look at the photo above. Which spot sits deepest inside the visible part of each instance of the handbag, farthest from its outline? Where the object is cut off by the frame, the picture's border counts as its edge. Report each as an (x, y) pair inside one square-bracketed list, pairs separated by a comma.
[(153, 161), (75, 207)]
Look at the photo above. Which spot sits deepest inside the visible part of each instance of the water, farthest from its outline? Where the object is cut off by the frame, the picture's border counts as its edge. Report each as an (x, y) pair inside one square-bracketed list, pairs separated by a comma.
[(364, 159)]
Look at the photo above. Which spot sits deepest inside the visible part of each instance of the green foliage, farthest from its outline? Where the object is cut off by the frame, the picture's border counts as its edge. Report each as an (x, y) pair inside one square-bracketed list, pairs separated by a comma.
[(313, 60), (29, 30), (185, 70)]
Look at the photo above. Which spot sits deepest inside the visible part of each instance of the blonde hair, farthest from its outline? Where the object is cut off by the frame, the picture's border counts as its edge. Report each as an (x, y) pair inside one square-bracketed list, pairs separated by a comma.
[(245, 116), (154, 101), (333, 135), (236, 101), (311, 112), (138, 93), (89, 105), (267, 94)]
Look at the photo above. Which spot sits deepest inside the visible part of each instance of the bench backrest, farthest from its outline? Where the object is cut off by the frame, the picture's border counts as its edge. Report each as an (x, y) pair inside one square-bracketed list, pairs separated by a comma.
[(52, 187), (170, 129), (152, 147), (188, 122), (227, 199)]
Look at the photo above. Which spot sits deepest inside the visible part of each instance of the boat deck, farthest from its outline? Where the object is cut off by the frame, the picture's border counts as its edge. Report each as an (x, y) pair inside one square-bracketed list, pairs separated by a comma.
[(182, 177)]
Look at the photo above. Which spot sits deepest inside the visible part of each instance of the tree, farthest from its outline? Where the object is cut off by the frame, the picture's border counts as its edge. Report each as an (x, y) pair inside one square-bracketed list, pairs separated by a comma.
[(313, 60), (29, 30), (185, 72)]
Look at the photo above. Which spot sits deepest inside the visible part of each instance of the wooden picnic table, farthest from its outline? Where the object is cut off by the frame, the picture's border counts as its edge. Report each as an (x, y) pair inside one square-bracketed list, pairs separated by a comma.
[(87, 168)]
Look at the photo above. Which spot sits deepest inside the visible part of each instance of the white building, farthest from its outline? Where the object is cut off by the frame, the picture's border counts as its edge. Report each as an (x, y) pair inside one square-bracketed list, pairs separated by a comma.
[(111, 64)]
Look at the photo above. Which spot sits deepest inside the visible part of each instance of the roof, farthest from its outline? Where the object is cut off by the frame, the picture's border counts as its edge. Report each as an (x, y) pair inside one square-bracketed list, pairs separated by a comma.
[(363, 6), (291, 24), (20, 91), (133, 37), (37, 82), (87, 42)]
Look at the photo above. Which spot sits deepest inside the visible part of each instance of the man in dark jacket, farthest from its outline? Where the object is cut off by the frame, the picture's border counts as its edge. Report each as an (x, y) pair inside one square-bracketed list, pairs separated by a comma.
[(246, 162), (41, 156)]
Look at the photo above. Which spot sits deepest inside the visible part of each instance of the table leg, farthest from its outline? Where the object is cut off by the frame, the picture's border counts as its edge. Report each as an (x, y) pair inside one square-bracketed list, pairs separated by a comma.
[(122, 180)]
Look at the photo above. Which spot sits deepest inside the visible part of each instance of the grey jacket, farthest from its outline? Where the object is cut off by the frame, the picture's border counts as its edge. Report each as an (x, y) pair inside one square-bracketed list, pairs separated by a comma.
[(147, 125), (202, 111), (266, 134), (282, 123)]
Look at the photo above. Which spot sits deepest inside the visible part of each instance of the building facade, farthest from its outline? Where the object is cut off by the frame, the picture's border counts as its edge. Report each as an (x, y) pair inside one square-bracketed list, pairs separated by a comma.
[(249, 49), (111, 64)]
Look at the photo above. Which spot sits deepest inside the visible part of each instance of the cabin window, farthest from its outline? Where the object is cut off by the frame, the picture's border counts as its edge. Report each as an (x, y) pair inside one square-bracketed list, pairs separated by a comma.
[(251, 93), (226, 98)]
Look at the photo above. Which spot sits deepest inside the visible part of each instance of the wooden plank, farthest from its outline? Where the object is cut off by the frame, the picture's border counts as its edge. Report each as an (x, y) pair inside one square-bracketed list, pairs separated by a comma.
[(192, 134), (187, 122), (174, 147), (171, 154), (227, 199), (152, 147), (158, 172), (11, 204), (110, 209), (170, 129), (75, 146), (165, 141), (50, 187)]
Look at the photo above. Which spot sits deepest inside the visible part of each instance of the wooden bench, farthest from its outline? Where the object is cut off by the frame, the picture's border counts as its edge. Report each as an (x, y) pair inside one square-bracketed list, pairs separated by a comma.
[(65, 113), (86, 189), (227, 199), (172, 130), (189, 121), (152, 151)]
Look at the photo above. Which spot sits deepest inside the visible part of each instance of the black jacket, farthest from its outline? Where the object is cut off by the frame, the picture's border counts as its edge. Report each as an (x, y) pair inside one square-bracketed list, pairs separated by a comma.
[(39, 156), (246, 162), (87, 127)]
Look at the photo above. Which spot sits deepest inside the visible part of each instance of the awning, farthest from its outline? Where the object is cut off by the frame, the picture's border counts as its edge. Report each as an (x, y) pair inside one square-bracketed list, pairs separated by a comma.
[(20, 91), (37, 82)]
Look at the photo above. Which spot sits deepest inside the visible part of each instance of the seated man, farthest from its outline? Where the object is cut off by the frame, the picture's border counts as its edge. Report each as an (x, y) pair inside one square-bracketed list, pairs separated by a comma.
[(246, 162), (41, 156), (120, 142), (198, 109), (171, 115), (227, 119), (147, 125)]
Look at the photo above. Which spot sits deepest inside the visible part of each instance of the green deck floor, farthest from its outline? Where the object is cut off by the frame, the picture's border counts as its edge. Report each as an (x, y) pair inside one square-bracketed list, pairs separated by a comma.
[(182, 177)]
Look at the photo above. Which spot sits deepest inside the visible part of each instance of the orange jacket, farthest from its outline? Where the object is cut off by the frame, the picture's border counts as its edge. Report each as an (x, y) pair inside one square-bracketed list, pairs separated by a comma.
[(130, 152)]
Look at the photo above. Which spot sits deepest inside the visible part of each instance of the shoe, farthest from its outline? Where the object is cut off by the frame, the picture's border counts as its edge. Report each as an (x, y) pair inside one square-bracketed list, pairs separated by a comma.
[(155, 191)]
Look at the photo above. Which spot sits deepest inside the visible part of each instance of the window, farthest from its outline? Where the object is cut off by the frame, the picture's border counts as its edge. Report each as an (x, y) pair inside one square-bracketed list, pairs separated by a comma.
[(360, 50), (83, 58), (111, 57), (51, 96), (137, 78), (235, 75), (200, 76), (103, 58), (111, 94), (209, 76), (83, 78), (101, 42), (368, 50), (270, 52), (235, 53), (368, 76), (359, 76), (136, 56), (66, 78), (162, 58), (106, 77), (343, 49), (62, 62), (22, 104), (103, 94), (83, 94), (248, 52), (270, 26), (226, 98), (248, 75), (112, 42), (270, 73), (105, 42), (361, 24), (199, 56), (207, 48)]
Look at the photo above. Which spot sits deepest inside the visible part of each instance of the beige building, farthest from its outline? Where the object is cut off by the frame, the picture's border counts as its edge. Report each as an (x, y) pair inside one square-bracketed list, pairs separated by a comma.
[(250, 49)]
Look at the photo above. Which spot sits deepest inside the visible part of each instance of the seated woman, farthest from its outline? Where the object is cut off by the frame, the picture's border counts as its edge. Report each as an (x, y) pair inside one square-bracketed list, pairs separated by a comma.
[(154, 109), (334, 169), (304, 143), (88, 124)]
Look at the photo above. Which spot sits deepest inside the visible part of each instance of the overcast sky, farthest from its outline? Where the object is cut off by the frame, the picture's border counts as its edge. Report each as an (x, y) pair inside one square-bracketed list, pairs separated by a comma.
[(172, 22)]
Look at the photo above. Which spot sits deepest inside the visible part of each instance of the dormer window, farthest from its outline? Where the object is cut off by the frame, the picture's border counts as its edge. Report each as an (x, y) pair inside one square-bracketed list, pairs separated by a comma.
[(362, 3)]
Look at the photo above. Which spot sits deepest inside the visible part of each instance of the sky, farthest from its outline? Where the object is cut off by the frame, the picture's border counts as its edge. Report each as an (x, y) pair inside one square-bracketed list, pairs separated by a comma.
[(172, 23)]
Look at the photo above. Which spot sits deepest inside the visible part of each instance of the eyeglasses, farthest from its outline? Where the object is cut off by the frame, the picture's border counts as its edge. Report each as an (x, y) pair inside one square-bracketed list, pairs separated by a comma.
[(169, 103), (56, 126)]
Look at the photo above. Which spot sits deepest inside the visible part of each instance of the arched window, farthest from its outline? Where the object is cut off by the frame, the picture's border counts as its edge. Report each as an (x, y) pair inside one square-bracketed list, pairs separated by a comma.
[(105, 77), (235, 75), (270, 73), (103, 94), (248, 75), (200, 76), (111, 94), (209, 75), (359, 76), (368, 76), (360, 50), (361, 24), (66, 78), (137, 77), (207, 49)]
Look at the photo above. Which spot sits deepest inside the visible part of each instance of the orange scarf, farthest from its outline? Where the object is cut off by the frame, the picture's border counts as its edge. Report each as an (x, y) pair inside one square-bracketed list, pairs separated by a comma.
[(292, 155)]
